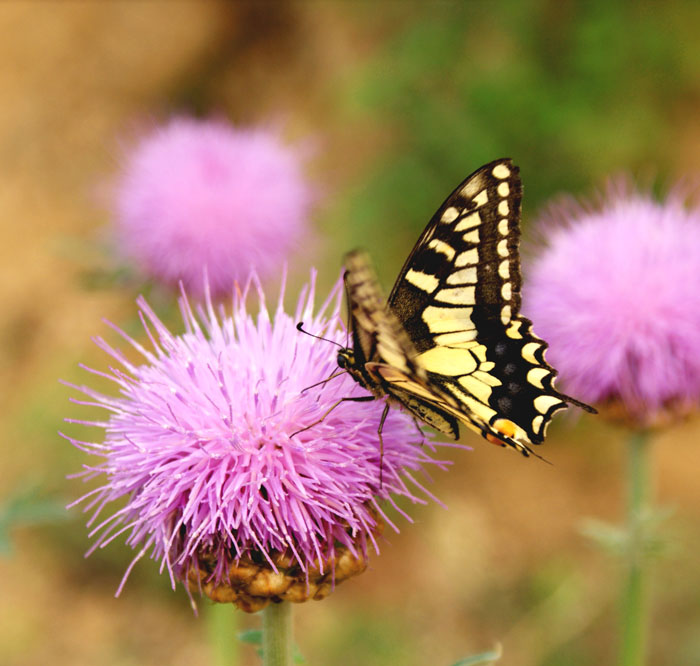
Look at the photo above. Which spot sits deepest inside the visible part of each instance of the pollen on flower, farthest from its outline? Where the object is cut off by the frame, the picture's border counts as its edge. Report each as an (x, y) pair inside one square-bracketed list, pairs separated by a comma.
[(198, 194), (199, 454), (614, 294)]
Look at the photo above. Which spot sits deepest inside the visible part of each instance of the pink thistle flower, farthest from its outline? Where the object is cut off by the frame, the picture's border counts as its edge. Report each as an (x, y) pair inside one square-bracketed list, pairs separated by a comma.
[(199, 449), (615, 295), (200, 194)]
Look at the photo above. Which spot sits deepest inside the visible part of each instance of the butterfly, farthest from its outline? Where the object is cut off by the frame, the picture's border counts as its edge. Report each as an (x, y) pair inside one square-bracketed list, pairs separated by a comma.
[(449, 345)]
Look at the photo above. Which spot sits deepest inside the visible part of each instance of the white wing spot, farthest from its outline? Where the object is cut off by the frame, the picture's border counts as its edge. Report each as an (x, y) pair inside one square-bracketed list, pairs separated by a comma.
[(528, 351), (504, 269), (467, 258), (537, 423), (424, 281), (478, 389), (513, 331), (456, 295), (502, 248), (543, 403), (505, 314), (501, 171), (442, 320), (503, 208), (503, 227), (503, 189), (471, 236), (465, 276), (469, 221), (473, 186), (506, 291), (481, 198), (483, 375), (450, 215), (442, 247), (536, 375), (447, 361)]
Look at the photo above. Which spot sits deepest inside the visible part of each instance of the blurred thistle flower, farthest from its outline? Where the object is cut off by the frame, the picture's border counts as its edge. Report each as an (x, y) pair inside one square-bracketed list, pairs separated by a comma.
[(615, 294), (198, 449), (196, 194)]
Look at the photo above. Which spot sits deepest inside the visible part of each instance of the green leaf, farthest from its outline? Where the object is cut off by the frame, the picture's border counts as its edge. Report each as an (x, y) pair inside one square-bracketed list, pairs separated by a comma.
[(254, 637), (251, 636), (611, 538), (617, 540), (27, 507)]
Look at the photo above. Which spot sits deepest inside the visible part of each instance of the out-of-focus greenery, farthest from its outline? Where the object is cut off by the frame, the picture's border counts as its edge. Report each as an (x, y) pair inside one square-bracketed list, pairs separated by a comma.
[(571, 91), (26, 507)]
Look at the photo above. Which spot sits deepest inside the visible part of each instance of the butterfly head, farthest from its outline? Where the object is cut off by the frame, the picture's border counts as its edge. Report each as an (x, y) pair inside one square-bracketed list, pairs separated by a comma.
[(346, 358), (355, 368)]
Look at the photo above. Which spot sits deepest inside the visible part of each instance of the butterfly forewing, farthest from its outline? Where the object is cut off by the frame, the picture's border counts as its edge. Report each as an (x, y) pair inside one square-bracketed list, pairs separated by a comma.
[(376, 332), (464, 269)]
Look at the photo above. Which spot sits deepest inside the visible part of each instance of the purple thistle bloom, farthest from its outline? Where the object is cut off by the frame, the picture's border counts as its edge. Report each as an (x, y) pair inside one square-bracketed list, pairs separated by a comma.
[(196, 194), (615, 295), (198, 444)]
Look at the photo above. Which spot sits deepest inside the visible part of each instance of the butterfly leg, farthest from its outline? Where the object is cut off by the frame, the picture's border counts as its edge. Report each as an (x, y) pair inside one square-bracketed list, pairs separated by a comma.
[(324, 381), (418, 428), (381, 444), (361, 398)]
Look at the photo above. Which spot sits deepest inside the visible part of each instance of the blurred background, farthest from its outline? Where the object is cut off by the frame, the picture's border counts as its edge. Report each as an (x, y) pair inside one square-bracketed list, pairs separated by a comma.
[(400, 101)]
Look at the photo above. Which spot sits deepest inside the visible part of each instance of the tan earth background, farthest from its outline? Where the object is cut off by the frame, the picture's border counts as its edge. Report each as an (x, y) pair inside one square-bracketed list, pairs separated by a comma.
[(571, 93)]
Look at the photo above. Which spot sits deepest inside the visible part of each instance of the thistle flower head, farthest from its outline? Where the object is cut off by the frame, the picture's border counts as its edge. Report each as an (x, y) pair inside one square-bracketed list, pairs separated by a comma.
[(196, 194), (615, 295), (200, 448)]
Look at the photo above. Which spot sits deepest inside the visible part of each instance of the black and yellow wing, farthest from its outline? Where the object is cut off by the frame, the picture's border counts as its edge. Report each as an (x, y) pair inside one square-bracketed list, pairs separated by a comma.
[(457, 299)]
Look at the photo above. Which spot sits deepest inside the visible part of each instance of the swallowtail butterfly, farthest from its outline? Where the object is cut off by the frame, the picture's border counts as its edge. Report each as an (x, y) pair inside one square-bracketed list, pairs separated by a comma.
[(449, 345)]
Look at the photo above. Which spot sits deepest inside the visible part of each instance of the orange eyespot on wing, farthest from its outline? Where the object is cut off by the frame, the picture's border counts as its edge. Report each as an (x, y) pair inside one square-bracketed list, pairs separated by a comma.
[(504, 427)]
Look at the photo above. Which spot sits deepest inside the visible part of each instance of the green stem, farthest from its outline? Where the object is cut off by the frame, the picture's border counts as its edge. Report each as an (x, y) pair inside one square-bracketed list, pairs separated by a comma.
[(222, 626), (635, 592), (277, 634)]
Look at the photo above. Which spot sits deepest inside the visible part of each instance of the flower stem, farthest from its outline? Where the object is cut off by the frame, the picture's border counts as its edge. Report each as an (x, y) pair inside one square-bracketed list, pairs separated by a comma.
[(277, 635), (222, 625), (635, 592)]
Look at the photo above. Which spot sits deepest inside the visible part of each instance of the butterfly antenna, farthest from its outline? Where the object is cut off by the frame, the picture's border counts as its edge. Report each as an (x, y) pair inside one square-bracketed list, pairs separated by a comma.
[(347, 309), (300, 326)]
